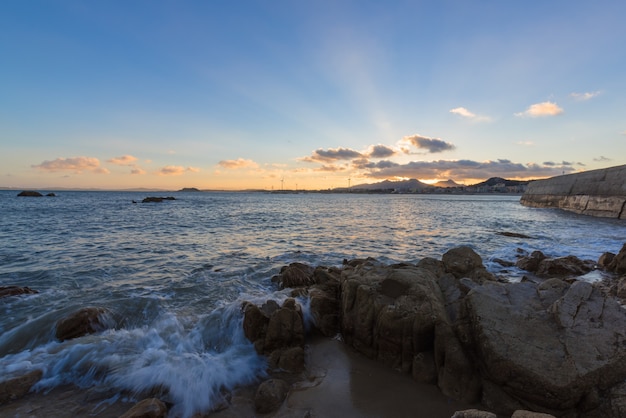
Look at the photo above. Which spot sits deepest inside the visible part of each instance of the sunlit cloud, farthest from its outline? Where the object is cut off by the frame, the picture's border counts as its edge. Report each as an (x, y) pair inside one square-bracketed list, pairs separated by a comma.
[(74, 164), (329, 155), (461, 111), (237, 164), (380, 151), (525, 143), (138, 171), (175, 170), (541, 109), (123, 160), (431, 145), (465, 169), (584, 96)]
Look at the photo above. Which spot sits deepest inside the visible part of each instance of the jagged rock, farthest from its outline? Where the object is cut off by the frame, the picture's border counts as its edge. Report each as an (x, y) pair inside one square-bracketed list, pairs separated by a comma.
[(295, 275), (461, 261), (543, 266), (473, 413), (6, 291), (532, 345), (531, 262), (147, 408), (520, 413), (16, 387), (618, 263), (270, 395), (82, 322)]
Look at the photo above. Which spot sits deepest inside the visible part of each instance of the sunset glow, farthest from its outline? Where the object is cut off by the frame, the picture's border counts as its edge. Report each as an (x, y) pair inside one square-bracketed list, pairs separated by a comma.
[(313, 95)]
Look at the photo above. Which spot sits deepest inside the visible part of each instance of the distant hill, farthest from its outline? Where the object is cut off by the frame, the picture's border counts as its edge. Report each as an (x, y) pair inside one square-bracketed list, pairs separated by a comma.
[(411, 184), (494, 181), (447, 183), (416, 185)]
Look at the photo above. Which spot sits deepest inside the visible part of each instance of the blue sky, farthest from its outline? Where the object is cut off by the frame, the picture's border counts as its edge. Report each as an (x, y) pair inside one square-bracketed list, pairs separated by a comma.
[(232, 95)]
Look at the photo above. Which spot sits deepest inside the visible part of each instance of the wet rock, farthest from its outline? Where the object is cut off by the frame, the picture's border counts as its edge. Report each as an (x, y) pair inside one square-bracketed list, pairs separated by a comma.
[(542, 266), (520, 413), (154, 199), (147, 408), (16, 387), (513, 235), (295, 275), (29, 193), (82, 322), (531, 262), (473, 413), (6, 291), (461, 261), (618, 263), (270, 395)]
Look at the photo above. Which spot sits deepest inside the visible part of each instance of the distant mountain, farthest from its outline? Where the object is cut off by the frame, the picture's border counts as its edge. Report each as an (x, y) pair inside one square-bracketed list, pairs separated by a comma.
[(411, 184), (447, 183), (494, 181)]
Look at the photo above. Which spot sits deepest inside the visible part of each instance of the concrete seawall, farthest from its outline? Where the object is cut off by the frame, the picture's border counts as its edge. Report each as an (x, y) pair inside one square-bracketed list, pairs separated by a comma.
[(599, 193)]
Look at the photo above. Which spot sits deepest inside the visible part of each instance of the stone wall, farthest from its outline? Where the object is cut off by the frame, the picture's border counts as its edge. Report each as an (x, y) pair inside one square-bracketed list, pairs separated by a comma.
[(599, 193)]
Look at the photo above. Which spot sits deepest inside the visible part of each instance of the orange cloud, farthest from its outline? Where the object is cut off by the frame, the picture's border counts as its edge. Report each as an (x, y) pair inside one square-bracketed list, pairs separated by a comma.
[(238, 163), (176, 170), (541, 109), (75, 164), (461, 111), (123, 160)]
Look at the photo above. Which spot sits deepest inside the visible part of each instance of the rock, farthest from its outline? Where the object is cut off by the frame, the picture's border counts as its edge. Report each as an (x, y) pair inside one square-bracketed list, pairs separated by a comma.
[(424, 369), (50, 195), (147, 408), (618, 263), (545, 351), (295, 275), (270, 395), (513, 234), (82, 322), (531, 262), (621, 288), (292, 360), (153, 199), (6, 291), (324, 309), (473, 413), (16, 387), (605, 260), (460, 261), (569, 266), (30, 193), (285, 327), (520, 413)]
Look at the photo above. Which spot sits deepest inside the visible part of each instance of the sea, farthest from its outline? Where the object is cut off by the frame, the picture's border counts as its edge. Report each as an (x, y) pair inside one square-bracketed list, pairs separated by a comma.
[(175, 273)]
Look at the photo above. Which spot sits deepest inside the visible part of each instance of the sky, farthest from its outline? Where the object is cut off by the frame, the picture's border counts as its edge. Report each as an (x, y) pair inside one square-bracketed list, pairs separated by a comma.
[(318, 94)]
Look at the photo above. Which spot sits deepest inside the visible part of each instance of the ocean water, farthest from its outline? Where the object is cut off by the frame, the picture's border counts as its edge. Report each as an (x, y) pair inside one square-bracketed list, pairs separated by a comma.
[(174, 274)]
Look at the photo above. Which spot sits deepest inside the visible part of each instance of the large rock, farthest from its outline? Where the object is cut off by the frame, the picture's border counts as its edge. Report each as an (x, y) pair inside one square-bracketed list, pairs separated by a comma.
[(542, 266), (270, 395), (550, 345), (29, 193), (147, 408), (16, 387), (82, 322)]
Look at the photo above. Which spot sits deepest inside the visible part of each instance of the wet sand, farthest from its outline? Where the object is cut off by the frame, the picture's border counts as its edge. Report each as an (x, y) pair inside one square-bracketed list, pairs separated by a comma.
[(341, 383)]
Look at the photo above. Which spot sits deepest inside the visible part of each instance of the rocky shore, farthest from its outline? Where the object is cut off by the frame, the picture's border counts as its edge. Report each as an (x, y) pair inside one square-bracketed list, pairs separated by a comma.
[(553, 343)]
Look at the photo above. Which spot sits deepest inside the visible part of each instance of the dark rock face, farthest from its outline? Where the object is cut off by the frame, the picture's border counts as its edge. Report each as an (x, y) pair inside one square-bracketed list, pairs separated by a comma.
[(30, 193), (270, 395), (6, 291), (82, 322), (17, 387), (543, 266), (147, 408)]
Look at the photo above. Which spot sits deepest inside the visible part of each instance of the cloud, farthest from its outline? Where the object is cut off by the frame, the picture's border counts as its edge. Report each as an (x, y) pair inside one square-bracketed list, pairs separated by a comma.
[(584, 96), (237, 164), (138, 171), (541, 109), (602, 159), (432, 145), (461, 111), (380, 151), (329, 155), (465, 169), (123, 160), (75, 164), (175, 170), (525, 143)]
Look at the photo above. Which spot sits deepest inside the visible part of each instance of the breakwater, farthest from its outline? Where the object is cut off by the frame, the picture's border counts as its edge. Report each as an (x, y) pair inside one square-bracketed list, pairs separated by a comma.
[(600, 193)]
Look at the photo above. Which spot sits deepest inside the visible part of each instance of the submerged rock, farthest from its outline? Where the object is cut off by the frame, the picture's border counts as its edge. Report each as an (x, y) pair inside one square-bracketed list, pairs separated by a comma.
[(147, 408), (6, 291), (82, 322), (270, 395), (16, 387)]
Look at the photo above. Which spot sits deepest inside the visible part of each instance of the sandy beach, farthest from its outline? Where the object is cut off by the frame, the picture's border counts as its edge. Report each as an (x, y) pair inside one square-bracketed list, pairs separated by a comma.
[(340, 383)]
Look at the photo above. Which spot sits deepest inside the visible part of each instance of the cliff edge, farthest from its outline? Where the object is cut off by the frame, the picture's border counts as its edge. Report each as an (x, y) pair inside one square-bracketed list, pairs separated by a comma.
[(599, 193)]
